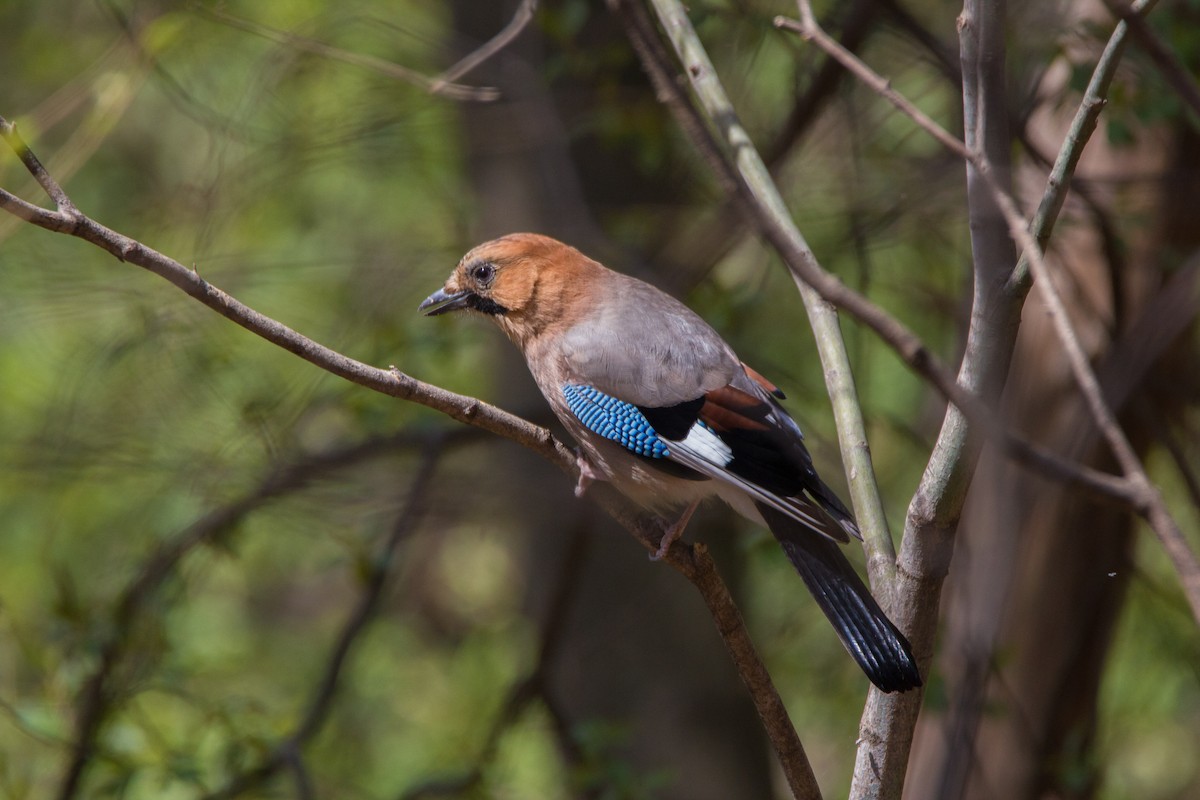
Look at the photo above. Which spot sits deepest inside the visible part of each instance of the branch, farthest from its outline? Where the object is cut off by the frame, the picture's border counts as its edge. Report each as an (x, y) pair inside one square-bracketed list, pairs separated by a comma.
[(521, 18), (753, 182), (991, 342), (1139, 492), (390, 382), (1176, 73), (1083, 124), (1153, 507), (693, 563), (929, 509), (808, 28)]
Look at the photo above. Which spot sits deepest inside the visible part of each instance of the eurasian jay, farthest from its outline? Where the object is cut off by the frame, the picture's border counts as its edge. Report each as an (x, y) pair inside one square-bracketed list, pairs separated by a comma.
[(662, 407)]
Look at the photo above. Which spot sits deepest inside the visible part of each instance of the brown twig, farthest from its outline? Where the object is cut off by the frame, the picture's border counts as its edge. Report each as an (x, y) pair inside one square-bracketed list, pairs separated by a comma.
[(1138, 491), (647, 529), (906, 344), (521, 18), (694, 563), (808, 28), (390, 382), (62, 202)]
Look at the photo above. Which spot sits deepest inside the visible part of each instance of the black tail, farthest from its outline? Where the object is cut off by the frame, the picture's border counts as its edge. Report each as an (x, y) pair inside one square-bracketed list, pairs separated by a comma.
[(870, 637)]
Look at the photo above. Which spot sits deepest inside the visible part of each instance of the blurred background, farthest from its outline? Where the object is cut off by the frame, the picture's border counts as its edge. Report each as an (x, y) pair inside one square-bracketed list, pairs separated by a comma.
[(224, 572)]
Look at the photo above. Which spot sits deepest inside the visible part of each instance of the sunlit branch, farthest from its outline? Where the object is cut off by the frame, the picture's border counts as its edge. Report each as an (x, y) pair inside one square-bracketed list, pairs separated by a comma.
[(692, 562)]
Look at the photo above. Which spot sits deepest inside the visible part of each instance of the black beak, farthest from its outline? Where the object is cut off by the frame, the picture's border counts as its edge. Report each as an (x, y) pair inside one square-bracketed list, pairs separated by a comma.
[(439, 302)]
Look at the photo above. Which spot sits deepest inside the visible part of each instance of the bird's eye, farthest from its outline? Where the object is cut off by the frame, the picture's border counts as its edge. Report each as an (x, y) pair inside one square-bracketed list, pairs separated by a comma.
[(483, 273)]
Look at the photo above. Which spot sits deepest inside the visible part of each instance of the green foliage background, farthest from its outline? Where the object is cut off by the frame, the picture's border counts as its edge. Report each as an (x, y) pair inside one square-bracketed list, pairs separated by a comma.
[(333, 199)]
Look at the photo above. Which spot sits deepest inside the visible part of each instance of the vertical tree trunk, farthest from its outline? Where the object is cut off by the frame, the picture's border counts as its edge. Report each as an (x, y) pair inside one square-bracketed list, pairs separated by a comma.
[(1040, 573)]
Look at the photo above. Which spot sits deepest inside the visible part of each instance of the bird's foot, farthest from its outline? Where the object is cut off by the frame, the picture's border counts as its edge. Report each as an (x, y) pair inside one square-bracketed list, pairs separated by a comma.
[(587, 473), (674, 532)]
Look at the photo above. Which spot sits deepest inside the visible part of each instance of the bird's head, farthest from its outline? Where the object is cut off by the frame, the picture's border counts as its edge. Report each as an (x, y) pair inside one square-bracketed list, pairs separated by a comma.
[(527, 283)]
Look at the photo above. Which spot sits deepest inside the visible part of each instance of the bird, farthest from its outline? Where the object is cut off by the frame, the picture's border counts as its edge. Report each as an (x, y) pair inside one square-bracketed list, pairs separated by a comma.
[(663, 409)]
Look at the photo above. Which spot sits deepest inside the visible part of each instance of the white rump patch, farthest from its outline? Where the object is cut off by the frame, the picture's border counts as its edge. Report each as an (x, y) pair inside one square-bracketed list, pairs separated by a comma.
[(705, 444)]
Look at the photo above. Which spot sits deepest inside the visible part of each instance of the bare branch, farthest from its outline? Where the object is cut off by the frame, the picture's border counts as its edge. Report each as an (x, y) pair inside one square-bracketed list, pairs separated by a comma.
[(1140, 492), (649, 530), (1176, 73), (521, 19), (754, 184), (390, 382), (807, 27), (1152, 507), (65, 207), (1078, 133)]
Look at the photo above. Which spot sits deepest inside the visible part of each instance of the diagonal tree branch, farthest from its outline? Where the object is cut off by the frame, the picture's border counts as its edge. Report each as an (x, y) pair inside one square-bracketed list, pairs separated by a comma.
[(1142, 495), (754, 182), (692, 562), (936, 513), (521, 19), (1083, 124), (1173, 70)]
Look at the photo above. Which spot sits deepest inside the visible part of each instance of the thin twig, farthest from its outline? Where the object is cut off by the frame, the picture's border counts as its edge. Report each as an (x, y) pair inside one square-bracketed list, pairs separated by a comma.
[(1173, 70), (1153, 507), (1141, 493), (757, 188), (808, 28), (647, 529), (391, 382), (61, 201), (521, 18), (1078, 133)]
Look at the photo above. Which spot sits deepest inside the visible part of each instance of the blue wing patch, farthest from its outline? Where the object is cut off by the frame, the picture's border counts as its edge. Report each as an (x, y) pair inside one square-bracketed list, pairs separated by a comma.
[(614, 419)]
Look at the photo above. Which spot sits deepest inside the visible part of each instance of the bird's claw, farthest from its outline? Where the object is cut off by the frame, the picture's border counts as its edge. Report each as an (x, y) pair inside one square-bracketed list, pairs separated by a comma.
[(587, 473), (674, 532)]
